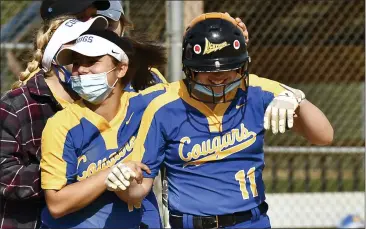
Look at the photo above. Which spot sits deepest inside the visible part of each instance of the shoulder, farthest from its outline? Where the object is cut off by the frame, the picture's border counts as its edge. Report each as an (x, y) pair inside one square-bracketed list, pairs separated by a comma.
[(23, 96), (65, 119), (147, 95), (8, 117), (157, 75), (162, 101), (265, 85), (17, 98)]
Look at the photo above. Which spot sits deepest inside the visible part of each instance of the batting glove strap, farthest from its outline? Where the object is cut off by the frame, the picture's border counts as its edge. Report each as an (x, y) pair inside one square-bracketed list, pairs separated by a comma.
[(298, 94)]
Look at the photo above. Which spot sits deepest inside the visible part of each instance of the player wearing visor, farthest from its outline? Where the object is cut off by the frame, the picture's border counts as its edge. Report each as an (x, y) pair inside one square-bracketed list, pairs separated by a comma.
[(208, 130), (80, 143)]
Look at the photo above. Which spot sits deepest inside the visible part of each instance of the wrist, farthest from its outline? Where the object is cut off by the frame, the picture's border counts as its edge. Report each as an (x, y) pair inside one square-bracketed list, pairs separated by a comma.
[(299, 95)]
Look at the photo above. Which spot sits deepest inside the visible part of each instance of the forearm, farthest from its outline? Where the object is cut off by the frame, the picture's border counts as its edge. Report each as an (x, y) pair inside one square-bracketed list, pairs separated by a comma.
[(76, 196), (312, 124), (135, 193), (18, 181)]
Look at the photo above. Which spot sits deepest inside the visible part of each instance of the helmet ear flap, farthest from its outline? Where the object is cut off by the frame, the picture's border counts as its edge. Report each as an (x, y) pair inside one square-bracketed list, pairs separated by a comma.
[(187, 72)]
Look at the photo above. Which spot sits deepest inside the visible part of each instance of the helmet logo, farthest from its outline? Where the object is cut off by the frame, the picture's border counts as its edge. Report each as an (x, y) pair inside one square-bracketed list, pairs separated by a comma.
[(217, 64), (236, 44), (210, 47), (197, 49)]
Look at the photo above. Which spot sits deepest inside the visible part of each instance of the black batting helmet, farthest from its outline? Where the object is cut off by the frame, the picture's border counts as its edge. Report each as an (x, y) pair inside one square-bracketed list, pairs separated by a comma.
[(213, 42)]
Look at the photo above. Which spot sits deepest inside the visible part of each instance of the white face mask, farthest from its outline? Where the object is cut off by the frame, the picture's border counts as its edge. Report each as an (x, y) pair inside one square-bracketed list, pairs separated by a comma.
[(93, 88)]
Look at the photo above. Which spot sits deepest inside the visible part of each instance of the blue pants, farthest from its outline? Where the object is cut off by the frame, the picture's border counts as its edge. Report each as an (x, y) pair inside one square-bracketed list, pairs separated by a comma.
[(150, 211)]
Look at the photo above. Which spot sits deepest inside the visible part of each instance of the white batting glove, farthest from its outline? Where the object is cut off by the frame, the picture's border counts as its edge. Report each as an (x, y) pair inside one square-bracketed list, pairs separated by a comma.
[(282, 109), (119, 178)]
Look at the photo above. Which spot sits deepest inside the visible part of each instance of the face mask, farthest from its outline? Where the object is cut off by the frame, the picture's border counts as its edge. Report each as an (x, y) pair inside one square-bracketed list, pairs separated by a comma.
[(205, 90), (93, 88), (67, 74)]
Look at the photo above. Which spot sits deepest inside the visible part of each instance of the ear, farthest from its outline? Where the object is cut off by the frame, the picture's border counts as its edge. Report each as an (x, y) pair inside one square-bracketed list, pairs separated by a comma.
[(123, 67)]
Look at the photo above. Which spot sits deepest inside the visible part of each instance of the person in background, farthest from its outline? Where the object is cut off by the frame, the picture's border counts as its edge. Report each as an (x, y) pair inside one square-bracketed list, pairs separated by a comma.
[(82, 10)]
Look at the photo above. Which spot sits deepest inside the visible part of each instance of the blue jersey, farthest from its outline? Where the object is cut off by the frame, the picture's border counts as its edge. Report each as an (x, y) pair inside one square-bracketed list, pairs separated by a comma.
[(214, 159), (77, 143)]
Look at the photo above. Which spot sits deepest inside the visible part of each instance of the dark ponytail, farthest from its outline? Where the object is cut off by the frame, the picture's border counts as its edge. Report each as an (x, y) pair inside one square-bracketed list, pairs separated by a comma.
[(147, 55)]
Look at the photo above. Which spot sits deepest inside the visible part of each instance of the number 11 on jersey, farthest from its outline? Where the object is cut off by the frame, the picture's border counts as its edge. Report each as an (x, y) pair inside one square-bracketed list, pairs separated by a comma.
[(241, 178)]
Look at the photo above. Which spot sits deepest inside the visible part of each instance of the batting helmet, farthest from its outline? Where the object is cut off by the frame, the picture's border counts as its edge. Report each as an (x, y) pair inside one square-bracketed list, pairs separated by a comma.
[(213, 42)]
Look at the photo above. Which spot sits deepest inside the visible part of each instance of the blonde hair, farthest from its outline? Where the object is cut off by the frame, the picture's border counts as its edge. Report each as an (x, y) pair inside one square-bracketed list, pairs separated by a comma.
[(42, 38)]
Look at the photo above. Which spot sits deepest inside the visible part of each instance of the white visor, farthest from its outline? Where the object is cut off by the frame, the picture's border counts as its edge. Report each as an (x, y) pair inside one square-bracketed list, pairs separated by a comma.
[(91, 45), (68, 31)]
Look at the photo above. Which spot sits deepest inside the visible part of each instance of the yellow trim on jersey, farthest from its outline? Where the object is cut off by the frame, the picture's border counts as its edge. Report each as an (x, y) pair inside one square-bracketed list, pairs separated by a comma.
[(160, 76), (54, 137), (157, 87), (214, 117), (266, 84), (147, 118), (53, 166)]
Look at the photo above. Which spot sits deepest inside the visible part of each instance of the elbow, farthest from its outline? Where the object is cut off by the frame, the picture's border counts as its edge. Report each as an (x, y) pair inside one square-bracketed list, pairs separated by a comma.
[(56, 211), (326, 138)]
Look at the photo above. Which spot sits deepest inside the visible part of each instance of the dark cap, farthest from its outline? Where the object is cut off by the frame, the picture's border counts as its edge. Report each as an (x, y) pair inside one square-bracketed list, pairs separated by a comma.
[(53, 8)]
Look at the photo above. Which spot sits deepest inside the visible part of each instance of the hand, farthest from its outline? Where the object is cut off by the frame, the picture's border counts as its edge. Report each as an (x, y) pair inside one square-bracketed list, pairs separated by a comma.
[(283, 108), (122, 174), (243, 27)]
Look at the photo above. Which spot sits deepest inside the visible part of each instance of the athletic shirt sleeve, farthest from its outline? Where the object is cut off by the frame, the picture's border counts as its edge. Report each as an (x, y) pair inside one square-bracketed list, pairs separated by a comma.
[(158, 77), (270, 88), (149, 143), (59, 160)]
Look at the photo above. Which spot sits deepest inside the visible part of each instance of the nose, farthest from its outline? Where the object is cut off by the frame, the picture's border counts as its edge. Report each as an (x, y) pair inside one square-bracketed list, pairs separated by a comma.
[(82, 70)]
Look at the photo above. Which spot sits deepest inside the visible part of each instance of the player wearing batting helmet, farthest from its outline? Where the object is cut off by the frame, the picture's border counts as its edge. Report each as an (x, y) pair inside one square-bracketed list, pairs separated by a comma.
[(208, 130)]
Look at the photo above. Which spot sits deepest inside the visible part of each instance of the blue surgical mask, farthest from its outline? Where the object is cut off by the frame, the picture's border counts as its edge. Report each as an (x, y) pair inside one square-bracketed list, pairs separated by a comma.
[(67, 74), (93, 88), (205, 90)]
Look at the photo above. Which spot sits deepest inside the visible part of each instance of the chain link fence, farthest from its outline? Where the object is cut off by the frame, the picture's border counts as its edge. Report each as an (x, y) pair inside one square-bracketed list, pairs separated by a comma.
[(317, 46), (313, 45)]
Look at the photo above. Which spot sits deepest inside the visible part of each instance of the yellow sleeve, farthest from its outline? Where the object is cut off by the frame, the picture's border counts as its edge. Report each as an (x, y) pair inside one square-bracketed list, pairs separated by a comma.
[(268, 85), (59, 158), (160, 76)]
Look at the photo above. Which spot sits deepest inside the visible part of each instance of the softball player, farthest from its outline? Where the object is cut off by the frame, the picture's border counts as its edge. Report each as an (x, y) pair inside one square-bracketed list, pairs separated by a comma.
[(208, 130), (80, 143)]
